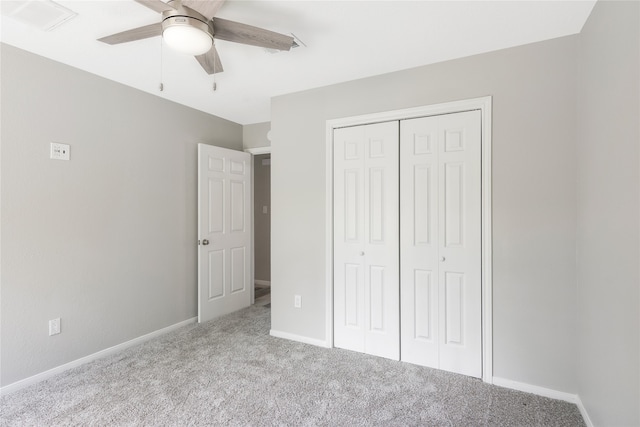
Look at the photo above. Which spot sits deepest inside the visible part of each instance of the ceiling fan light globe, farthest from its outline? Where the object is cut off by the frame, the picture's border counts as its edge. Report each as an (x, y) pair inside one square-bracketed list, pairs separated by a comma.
[(188, 40)]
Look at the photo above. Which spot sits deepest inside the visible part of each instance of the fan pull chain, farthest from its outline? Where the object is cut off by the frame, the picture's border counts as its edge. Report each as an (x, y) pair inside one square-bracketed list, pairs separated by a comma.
[(215, 86), (161, 87)]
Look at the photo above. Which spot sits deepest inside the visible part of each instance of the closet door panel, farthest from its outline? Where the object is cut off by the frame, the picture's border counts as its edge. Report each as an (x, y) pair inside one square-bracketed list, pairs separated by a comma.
[(419, 241), (460, 245), (349, 235), (366, 270), (382, 308)]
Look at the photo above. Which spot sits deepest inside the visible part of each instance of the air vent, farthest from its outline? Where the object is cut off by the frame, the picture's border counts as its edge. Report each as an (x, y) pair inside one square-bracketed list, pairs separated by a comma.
[(42, 14)]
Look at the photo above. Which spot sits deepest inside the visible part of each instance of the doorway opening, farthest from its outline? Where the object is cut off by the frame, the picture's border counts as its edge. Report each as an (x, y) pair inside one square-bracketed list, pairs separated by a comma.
[(262, 228)]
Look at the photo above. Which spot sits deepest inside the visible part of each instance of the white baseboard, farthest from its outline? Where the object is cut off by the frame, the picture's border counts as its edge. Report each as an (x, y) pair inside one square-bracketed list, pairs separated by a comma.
[(583, 411), (546, 392), (90, 358), (262, 282), (299, 338), (534, 389)]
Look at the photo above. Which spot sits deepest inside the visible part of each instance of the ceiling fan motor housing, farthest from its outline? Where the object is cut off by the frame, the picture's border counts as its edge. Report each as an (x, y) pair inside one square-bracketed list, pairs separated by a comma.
[(185, 16)]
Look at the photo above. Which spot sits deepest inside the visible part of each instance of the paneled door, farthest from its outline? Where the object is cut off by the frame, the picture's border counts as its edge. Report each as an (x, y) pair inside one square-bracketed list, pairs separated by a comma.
[(366, 239), (224, 231), (440, 205)]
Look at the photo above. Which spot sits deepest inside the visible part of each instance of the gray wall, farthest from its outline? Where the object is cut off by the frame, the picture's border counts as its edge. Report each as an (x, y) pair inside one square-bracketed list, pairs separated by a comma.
[(608, 213), (262, 221), (255, 135), (534, 217), (105, 241)]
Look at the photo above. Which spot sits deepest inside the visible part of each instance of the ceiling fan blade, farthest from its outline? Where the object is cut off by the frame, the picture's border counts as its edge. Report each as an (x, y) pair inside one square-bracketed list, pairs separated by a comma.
[(208, 8), (210, 61), (139, 33), (157, 5), (247, 34)]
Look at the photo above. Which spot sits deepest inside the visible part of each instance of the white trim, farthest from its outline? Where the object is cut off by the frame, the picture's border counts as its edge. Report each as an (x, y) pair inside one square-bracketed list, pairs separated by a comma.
[(537, 390), (546, 392), (298, 338), (486, 107), (90, 358), (258, 150), (253, 236), (328, 191), (584, 413), (484, 104), (262, 282)]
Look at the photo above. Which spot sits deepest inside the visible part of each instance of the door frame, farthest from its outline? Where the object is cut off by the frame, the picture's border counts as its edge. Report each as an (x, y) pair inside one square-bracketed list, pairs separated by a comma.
[(484, 104)]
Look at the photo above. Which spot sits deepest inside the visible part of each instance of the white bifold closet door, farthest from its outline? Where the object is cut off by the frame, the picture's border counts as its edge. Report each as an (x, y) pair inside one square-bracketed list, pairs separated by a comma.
[(366, 239), (440, 205)]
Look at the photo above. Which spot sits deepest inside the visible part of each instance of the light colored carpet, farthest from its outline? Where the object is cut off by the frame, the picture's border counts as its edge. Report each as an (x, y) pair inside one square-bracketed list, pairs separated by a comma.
[(231, 372)]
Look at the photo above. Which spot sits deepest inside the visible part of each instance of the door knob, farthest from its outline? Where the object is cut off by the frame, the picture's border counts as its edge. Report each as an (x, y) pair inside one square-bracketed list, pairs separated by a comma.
[(361, 253), (442, 259), (205, 242)]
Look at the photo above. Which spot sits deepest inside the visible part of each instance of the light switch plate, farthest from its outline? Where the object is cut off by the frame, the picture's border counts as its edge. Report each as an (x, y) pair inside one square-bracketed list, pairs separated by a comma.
[(60, 151)]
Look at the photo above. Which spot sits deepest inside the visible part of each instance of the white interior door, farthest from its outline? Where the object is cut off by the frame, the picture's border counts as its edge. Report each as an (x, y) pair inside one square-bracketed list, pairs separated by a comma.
[(224, 231), (441, 242), (366, 240)]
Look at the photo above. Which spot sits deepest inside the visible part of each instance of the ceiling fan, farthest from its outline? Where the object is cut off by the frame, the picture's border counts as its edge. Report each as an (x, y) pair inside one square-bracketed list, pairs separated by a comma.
[(189, 26)]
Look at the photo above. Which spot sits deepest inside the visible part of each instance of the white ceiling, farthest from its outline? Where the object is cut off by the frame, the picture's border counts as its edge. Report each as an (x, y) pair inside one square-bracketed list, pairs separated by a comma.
[(345, 40)]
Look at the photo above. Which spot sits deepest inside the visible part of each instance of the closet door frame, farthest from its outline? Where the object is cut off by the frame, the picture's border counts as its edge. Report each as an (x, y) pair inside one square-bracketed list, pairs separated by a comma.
[(484, 104)]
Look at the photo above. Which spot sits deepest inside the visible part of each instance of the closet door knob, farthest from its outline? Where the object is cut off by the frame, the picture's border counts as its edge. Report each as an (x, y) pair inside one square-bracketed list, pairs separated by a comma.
[(205, 242), (442, 258), (361, 253)]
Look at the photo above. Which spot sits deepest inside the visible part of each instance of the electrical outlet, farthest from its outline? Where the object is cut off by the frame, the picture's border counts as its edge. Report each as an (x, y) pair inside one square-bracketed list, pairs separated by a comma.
[(297, 301), (54, 326), (60, 151)]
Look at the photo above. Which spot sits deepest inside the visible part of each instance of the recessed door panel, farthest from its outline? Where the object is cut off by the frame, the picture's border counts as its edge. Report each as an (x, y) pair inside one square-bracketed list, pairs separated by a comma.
[(237, 168), (238, 206), (454, 140), (351, 297), (352, 216), (454, 204), (376, 206), (422, 204), (422, 305), (216, 273), (238, 269), (352, 150), (216, 205), (454, 308), (422, 143), (376, 298), (216, 164), (376, 148)]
